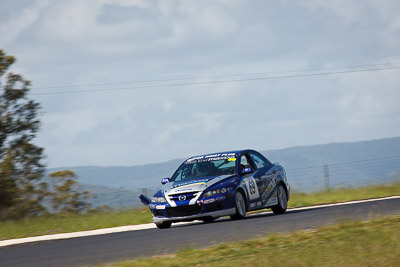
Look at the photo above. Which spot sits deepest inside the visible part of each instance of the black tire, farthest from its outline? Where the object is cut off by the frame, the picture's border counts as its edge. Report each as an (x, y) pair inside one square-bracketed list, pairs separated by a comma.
[(163, 225), (208, 219), (240, 205), (282, 201)]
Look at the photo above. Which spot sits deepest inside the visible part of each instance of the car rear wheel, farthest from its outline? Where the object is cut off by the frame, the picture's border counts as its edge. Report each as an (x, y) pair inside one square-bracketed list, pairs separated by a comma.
[(163, 225), (282, 201), (240, 207)]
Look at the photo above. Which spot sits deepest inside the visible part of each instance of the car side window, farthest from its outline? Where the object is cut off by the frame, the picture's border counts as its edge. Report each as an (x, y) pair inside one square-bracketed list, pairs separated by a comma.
[(259, 161), (245, 162)]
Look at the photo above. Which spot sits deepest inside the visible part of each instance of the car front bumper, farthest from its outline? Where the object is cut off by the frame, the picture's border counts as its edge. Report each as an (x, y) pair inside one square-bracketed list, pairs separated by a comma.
[(214, 214)]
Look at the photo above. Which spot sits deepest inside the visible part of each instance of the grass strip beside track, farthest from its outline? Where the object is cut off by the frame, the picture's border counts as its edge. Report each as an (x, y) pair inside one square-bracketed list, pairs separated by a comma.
[(66, 223), (74, 222), (372, 243), (343, 195)]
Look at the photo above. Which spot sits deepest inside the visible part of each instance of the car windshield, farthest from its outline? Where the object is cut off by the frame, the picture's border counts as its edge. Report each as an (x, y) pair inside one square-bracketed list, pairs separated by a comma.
[(206, 166)]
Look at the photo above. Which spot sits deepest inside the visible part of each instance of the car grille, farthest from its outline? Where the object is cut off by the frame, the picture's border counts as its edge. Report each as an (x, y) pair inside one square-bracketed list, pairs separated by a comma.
[(182, 211), (188, 196)]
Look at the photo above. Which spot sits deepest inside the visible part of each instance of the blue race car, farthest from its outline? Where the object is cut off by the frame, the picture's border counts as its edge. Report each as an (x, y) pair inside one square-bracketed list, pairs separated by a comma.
[(221, 184)]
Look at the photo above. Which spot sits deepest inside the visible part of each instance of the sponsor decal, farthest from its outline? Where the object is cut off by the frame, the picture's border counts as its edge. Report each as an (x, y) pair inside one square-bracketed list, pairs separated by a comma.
[(269, 188), (258, 203), (273, 195), (220, 198), (183, 190), (273, 201), (195, 182), (160, 207), (252, 205), (264, 195), (211, 200), (211, 157), (207, 201)]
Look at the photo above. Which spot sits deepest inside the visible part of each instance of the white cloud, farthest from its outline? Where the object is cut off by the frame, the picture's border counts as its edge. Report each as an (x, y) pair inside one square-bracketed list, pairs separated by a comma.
[(96, 42), (13, 28), (209, 123)]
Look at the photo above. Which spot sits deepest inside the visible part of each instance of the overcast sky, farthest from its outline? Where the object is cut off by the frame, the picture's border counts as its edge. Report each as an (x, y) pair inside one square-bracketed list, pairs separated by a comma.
[(193, 43)]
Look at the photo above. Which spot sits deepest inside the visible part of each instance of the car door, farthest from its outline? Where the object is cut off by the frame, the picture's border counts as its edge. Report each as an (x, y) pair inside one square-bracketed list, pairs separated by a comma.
[(252, 192), (265, 176)]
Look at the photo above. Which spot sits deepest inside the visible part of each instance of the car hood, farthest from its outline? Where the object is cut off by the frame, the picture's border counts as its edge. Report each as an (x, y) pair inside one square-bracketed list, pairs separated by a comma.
[(194, 185)]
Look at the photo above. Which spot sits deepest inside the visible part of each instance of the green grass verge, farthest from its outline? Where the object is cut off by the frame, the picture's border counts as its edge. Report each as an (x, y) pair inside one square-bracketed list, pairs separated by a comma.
[(71, 223), (373, 243), (75, 222), (344, 194)]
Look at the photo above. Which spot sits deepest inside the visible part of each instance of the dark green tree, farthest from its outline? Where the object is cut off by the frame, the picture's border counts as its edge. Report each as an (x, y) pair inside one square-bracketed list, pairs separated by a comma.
[(66, 196), (21, 166)]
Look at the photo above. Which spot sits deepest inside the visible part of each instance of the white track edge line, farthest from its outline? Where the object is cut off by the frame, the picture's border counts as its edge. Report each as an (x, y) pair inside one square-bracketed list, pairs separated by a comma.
[(139, 227)]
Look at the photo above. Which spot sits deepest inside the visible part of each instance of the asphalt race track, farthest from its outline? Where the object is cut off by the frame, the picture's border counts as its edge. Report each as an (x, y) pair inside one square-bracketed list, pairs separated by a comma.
[(133, 244)]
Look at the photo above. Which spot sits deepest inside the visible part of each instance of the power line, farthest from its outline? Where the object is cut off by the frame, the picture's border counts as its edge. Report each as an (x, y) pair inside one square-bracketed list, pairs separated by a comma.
[(344, 163), (365, 160), (364, 164), (295, 169), (218, 82), (212, 77)]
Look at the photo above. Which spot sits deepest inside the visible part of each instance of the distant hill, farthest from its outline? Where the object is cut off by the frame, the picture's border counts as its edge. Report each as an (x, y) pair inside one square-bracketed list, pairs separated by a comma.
[(115, 197), (131, 177), (349, 164), (304, 156)]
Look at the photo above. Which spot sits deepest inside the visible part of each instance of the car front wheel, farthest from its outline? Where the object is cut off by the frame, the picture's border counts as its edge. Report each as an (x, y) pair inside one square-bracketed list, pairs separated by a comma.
[(240, 207), (282, 201), (163, 225)]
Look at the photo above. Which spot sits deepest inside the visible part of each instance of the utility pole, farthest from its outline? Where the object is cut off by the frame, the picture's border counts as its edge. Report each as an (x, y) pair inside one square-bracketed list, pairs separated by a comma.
[(326, 176)]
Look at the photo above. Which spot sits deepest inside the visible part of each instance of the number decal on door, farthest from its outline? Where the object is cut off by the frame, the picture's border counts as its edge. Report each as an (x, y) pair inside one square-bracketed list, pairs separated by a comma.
[(252, 188)]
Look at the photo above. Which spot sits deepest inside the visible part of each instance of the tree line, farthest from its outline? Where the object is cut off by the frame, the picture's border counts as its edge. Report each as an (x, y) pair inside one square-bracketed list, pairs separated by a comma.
[(25, 189)]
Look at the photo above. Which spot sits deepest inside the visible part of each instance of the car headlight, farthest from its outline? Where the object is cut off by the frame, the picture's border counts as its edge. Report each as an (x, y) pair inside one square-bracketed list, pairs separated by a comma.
[(222, 190), (158, 199)]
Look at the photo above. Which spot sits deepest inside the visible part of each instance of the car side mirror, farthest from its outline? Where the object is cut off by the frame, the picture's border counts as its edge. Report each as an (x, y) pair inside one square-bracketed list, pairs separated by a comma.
[(165, 180), (247, 170)]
